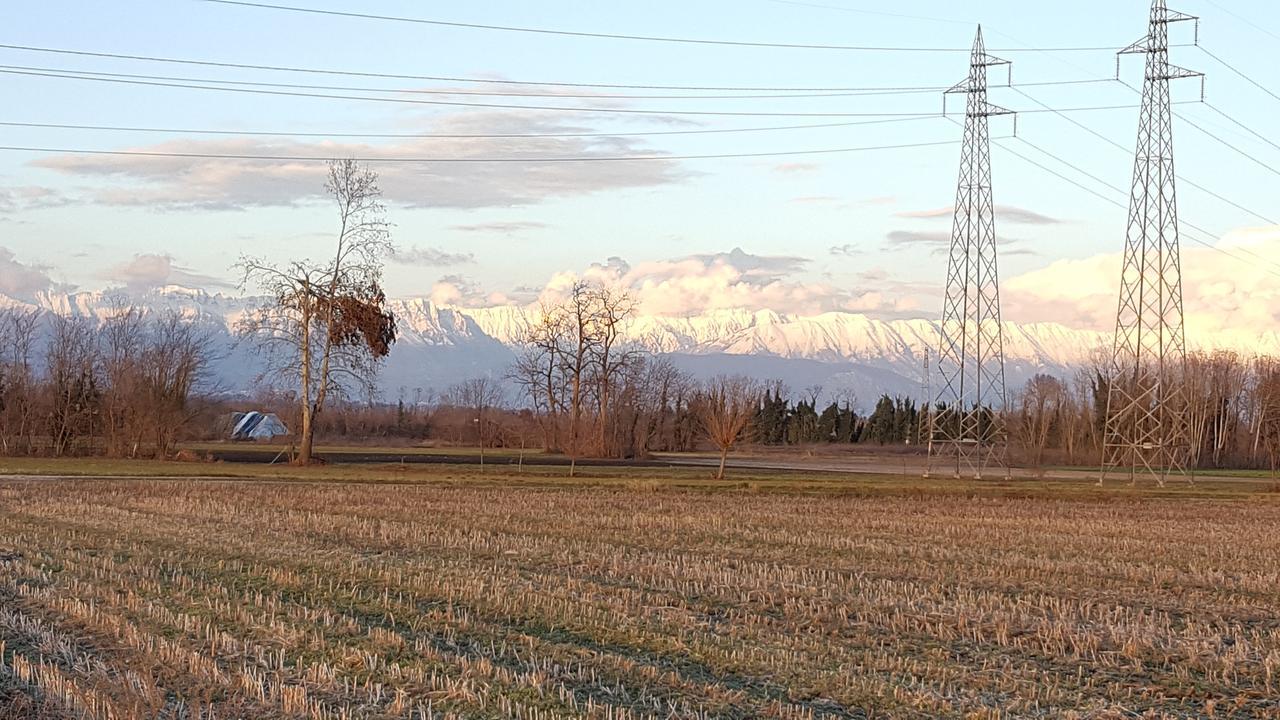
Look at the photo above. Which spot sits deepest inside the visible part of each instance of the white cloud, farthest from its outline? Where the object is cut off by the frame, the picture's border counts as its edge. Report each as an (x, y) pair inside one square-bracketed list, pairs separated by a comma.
[(1228, 299), (460, 291), (793, 168), (1007, 213), (430, 257), (147, 271), (501, 228), (29, 197), (916, 237), (733, 280), (21, 281), (229, 184)]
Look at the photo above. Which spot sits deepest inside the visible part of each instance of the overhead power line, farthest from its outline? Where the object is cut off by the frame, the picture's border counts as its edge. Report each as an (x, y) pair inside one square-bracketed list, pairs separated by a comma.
[(457, 136), (492, 81), (1244, 127), (451, 103), (1243, 19), (1186, 225), (374, 159), (1126, 151), (1239, 72), (1246, 154), (644, 38), (502, 106), (775, 95), (1121, 205), (878, 13)]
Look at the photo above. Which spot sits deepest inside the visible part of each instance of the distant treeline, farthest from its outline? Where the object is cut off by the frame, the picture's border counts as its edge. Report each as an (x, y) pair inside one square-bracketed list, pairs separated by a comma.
[(783, 421), (134, 384)]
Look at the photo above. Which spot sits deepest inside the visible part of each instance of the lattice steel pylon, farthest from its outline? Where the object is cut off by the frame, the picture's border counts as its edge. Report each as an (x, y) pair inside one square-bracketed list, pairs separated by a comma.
[(966, 430), (1146, 431)]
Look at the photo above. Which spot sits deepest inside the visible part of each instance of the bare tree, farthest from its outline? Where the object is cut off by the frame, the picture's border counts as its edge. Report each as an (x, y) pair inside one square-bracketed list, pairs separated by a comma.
[(580, 311), (18, 385), (479, 395), (538, 370), (1040, 405), (73, 386), (120, 349), (174, 365), (612, 309), (724, 409), (326, 325), (1267, 394)]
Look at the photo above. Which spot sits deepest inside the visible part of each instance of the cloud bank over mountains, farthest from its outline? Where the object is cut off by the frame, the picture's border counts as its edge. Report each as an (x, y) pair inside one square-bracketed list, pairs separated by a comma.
[(1231, 294), (455, 179)]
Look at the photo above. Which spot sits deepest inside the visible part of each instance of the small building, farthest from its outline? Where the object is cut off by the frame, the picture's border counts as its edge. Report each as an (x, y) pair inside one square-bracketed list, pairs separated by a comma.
[(256, 425)]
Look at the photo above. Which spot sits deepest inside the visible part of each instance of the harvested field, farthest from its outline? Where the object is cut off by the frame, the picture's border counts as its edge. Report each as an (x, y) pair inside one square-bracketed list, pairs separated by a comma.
[(156, 599)]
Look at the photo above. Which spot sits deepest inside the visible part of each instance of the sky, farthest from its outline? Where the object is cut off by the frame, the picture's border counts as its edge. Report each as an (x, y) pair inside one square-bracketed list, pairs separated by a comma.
[(859, 230)]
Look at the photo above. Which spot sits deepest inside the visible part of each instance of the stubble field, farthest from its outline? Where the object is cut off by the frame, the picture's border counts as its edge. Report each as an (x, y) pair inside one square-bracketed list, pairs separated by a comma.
[(197, 599)]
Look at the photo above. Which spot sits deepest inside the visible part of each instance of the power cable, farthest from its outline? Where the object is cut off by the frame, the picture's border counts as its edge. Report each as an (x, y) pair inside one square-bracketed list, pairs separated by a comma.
[(482, 93), (1125, 150), (1252, 158), (506, 106), (620, 36), (1243, 19), (1246, 154), (1246, 128), (878, 13), (1184, 223), (454, 136), (399, 160), (1241, 73), (1118, 204), (449, 103), (489, 81)]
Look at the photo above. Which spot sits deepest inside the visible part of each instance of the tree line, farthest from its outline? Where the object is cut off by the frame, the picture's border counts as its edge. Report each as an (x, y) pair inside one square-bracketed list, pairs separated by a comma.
[(1232, 406), (133, 384), (127, 386)]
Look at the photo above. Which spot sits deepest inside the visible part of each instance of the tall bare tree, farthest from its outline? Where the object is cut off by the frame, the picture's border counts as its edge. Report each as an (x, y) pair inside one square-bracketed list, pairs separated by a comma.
[(73, 386), (480, 396), (538, 370), (612, 309), (175, 366), (724, 409), (1039, 409), (580, 313), (326, 323), (1266, 392), (18, 382), (121, 347)]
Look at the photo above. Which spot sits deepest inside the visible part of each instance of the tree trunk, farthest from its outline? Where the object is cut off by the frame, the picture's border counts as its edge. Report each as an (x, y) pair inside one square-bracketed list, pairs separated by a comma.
[(306, 439), (308, 429), (724, 456)]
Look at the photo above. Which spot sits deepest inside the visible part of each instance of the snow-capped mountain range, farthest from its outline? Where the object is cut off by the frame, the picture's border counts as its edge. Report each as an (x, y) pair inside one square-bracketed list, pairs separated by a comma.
[(439, 346)]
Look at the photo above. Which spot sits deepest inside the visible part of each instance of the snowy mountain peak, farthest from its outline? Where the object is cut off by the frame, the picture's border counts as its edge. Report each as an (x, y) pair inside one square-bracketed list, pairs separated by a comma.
[(440, 345)]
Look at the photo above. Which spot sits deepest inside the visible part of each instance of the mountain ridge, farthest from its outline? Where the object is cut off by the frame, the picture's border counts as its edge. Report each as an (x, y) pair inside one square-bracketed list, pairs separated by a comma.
[(442, 344)]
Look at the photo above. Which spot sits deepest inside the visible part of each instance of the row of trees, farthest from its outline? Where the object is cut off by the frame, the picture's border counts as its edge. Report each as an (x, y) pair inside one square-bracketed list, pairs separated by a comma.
[(783, 421), (592, 393), (126, 386), (1232, 408)]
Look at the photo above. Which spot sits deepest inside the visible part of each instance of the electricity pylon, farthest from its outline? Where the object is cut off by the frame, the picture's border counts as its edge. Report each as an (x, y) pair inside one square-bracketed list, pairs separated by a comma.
[(1147, 429), (965, 425)]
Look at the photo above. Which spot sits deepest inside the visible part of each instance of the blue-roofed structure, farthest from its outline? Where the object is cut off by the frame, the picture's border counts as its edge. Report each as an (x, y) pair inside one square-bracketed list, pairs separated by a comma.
[(256, 425)]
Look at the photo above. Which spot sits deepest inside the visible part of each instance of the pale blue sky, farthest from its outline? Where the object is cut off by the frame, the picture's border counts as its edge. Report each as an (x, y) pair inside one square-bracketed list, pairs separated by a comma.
[(90, 221)]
